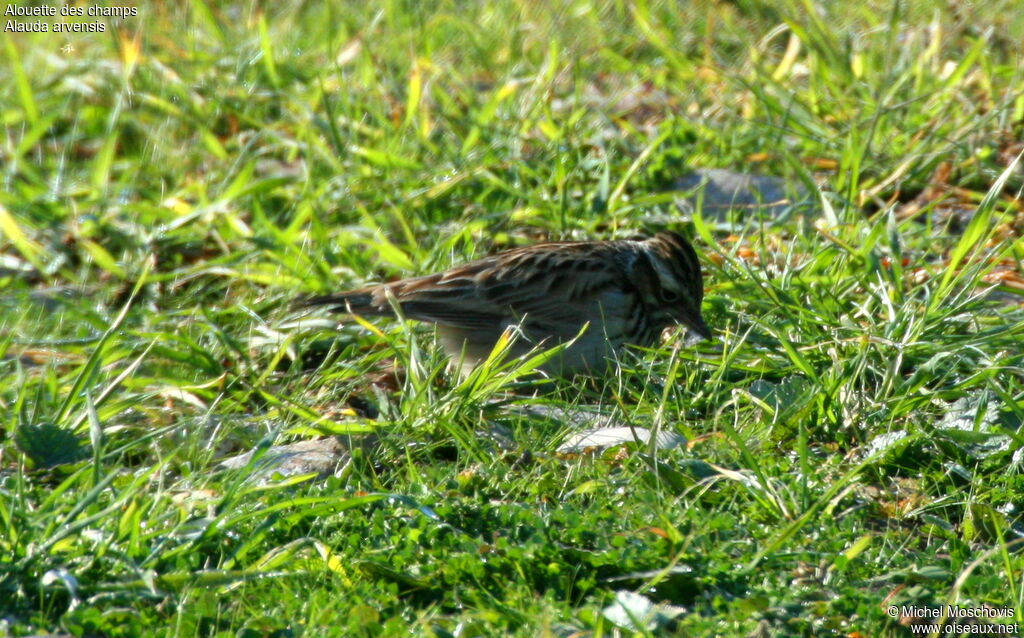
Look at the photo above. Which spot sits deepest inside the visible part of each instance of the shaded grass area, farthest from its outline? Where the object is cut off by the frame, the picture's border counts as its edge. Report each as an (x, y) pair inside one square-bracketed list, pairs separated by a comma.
[(170, 186)]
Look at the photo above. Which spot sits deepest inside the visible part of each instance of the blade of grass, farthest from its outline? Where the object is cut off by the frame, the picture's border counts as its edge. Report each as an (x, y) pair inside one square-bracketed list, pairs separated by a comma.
[(86, 373)]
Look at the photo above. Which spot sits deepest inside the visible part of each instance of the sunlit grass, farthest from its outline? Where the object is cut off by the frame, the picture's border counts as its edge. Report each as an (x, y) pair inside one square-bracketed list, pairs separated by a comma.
[(171, 187)]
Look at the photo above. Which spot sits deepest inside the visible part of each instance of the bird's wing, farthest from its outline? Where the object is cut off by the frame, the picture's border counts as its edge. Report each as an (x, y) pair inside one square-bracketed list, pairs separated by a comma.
[(421, 298), (556, 289)]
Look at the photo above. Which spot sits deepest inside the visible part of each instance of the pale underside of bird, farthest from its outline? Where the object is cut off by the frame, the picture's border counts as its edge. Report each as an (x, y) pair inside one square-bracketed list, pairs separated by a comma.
[(616, 293)]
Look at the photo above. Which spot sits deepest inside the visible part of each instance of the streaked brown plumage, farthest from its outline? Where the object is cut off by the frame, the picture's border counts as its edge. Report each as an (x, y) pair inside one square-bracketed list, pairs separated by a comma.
[(629, 291)]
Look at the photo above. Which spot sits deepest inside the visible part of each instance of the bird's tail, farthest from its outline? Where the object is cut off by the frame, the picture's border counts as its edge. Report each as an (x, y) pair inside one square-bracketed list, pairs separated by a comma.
[(358, 302)]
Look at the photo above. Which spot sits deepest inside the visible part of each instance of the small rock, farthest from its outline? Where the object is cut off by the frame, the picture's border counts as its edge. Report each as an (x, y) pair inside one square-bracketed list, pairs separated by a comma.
[(638, 613), (322, 456), (603, 438), (728, 195)]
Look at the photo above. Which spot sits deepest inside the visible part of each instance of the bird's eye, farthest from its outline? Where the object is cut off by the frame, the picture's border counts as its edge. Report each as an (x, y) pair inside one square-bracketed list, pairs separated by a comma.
[(669, 296)]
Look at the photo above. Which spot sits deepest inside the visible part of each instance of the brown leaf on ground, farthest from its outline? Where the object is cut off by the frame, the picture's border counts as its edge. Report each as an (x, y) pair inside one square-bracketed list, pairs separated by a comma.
[(1007, 273), (938, 188)]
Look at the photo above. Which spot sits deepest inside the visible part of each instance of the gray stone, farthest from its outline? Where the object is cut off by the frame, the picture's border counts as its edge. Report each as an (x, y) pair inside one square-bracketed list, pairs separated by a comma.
[(324, 457), (726, 195), (599, 439)]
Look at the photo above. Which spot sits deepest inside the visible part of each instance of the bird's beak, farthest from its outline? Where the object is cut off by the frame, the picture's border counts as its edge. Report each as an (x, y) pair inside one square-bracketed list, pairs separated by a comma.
[(696, 330)]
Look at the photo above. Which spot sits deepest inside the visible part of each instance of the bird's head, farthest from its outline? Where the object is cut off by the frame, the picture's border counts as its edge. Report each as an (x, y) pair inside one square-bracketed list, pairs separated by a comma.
[(678, 288)]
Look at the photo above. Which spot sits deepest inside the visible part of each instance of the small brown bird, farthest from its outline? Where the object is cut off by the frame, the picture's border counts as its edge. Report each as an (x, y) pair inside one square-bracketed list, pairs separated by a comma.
[(628, 291)]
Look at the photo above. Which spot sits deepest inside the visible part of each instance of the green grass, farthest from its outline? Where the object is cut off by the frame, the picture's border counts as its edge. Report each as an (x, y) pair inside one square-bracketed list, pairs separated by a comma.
[(170, 187)]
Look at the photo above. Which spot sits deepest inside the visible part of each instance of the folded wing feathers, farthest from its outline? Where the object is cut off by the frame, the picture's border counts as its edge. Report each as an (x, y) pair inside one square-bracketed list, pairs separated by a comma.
[(547, 287)]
